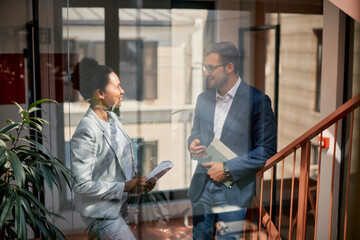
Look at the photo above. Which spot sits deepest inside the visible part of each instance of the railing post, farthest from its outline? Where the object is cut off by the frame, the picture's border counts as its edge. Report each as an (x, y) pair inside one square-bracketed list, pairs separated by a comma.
[(303, 190)]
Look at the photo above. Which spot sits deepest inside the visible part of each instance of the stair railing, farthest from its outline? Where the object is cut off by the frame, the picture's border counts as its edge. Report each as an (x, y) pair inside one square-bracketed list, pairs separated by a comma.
[(304, 144)]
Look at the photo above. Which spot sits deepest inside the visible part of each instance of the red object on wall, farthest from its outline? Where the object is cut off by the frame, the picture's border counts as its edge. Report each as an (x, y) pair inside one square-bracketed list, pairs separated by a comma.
[(12, 78), (54, 72), (325, 142)]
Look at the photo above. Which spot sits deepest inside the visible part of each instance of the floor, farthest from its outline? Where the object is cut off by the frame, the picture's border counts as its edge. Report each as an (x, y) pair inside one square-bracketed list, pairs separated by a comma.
[(181, 228)]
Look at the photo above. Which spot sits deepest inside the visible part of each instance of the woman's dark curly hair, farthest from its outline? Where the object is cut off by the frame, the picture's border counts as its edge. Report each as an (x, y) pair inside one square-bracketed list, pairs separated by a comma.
[(88, 76)]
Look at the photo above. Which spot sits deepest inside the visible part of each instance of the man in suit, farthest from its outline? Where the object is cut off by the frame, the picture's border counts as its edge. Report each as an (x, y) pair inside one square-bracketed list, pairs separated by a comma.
[(241, 117)]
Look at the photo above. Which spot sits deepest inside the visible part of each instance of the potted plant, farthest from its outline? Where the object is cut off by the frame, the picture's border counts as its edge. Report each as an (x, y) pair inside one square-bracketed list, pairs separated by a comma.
[(25, 165)]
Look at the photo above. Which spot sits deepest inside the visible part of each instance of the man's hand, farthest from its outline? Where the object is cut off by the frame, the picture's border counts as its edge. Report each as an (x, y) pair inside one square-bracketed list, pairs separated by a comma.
[(197, 150), (216, 171)]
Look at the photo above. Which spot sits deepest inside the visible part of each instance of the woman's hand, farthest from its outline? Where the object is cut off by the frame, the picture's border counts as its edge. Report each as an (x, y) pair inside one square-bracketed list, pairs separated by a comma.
[(135, 185), (148, 186), (139, 185)]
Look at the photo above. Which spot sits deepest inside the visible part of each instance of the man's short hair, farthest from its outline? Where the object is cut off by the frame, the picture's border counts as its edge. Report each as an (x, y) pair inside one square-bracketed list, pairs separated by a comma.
[(228, 53)]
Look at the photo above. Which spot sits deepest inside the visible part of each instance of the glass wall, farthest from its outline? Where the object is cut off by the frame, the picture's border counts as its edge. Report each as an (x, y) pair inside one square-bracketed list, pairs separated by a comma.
[(158, 55), (353, 90), (156, 49)]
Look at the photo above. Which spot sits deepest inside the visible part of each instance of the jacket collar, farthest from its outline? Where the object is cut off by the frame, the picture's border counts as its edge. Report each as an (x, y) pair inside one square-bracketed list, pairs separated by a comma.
[(92, 115)]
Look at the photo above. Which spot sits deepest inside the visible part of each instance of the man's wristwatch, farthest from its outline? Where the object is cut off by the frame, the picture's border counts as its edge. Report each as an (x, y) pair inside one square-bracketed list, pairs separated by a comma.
[(227, 172)]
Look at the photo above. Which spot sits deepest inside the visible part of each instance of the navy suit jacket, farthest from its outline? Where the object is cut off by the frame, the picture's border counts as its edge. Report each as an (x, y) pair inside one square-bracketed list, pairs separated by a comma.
[(249, 131)]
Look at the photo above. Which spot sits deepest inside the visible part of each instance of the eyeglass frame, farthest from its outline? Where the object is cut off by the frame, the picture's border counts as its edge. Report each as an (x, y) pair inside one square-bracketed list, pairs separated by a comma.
[(211, 68)]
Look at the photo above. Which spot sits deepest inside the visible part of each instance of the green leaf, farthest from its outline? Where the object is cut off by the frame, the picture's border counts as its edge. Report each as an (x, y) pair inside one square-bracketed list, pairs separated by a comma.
[(23, 224), (39, 120), (9, 127), (7, 137), (62, 166), (28, 210), (41, 101), (70, 181), (40, 147), (17, 167), (24, 114), (40, 134), (113, 108), (32, 123), (101, 107), (34, 154), (33, 109), (7, 206), (95, 99), (33, 176), (56, 177), (17, 216), (66, 172), (34, 200), (58, 234), (42, 228), (2, 151), (57, 216), (47, 176), (2, 143), (2, 156), (10, 232), (20, 108), (53, 232)]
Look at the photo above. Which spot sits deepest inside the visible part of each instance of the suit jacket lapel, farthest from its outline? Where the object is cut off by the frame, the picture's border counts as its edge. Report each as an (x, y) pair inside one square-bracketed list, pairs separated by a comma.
[(118, 123), (94, 117), (237, 106), (91, 114)]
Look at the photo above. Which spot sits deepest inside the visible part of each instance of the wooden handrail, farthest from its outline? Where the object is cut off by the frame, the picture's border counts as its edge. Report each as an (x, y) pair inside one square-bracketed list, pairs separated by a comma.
[(338, 114)]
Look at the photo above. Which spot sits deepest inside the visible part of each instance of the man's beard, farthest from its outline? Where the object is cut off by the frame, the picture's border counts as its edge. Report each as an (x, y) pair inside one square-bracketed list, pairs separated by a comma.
[(218, 84)]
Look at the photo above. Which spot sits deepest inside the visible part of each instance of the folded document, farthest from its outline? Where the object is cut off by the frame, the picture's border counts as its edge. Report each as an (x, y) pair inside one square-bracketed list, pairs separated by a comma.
[(218, 152), (159, 171)]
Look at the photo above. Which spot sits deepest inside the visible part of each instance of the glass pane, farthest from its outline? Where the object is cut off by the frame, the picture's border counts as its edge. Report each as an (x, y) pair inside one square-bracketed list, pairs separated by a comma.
[(159, 40), (355, 153), (300, 57), (356, 90), (83, 35)]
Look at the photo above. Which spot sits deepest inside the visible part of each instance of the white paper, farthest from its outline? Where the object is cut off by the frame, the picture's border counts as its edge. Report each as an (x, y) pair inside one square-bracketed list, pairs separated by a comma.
[(159, 171)]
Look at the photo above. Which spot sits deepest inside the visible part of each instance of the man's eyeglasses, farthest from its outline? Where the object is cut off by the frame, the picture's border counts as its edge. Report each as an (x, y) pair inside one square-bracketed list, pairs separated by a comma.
[(210, 68)]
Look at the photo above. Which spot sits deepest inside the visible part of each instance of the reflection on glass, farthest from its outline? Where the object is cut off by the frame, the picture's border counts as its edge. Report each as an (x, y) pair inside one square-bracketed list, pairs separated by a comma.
[(160, 69), (83, 36), (355, 91), (159, 64), (299, 86)]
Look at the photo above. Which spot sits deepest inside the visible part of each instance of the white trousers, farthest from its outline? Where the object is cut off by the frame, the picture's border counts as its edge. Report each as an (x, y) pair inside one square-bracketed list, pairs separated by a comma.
[(109, 229)]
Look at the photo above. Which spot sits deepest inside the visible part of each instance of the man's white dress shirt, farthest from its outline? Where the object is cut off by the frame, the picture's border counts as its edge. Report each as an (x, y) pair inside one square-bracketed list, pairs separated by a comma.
[(223, 104)]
